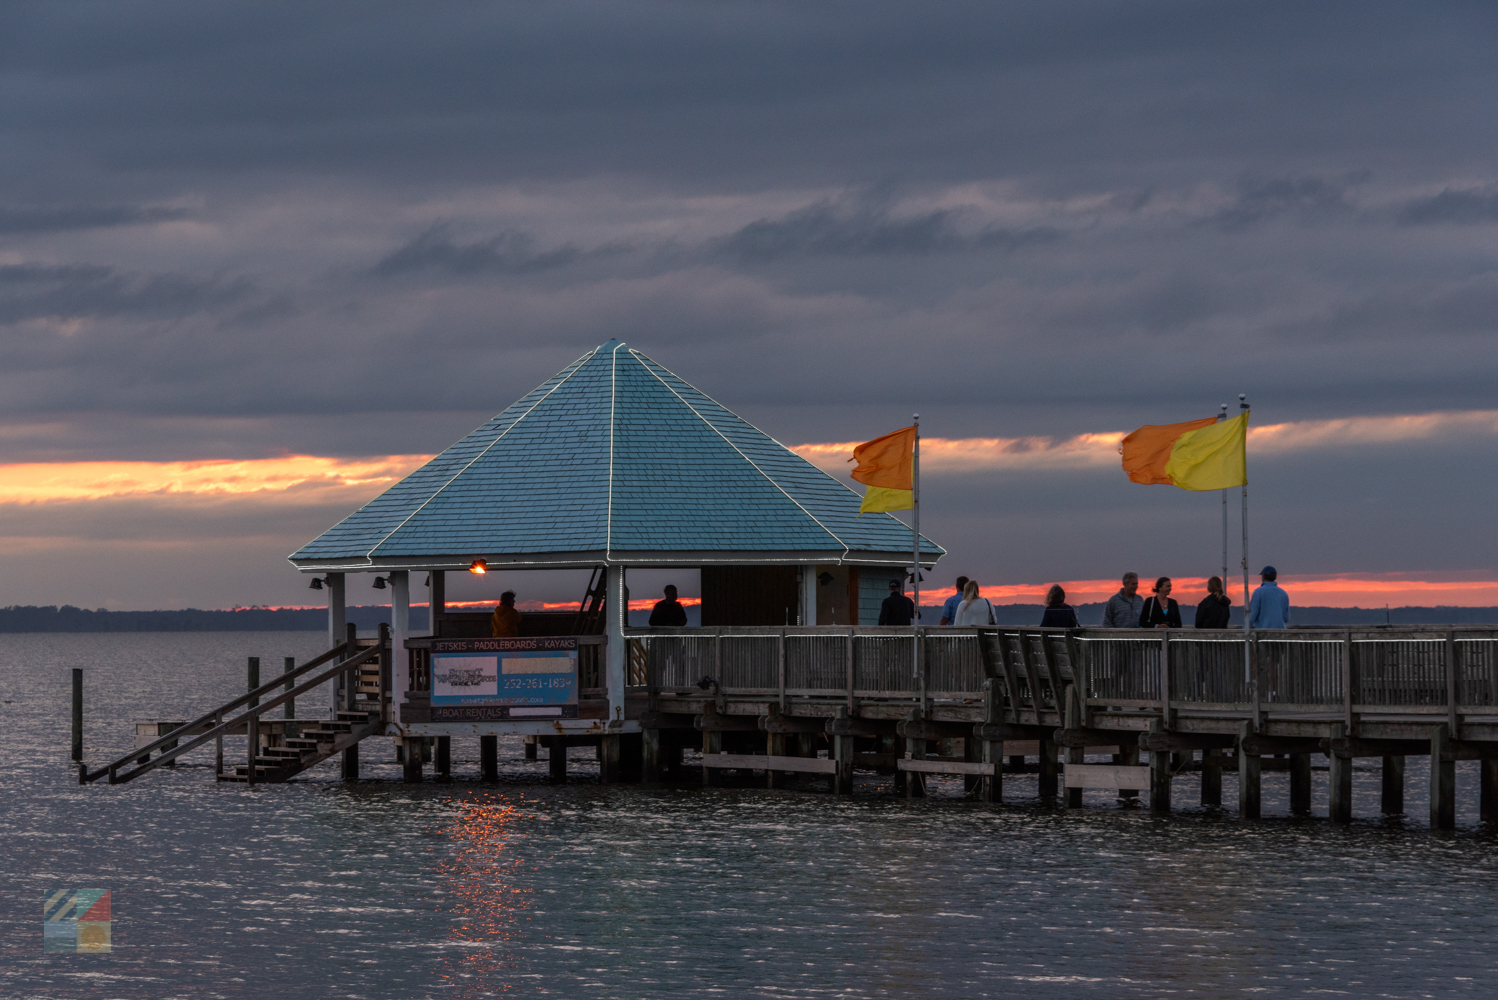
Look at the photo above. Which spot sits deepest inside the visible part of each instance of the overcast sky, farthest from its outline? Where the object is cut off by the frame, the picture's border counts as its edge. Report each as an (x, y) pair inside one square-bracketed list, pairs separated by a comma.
[(250, 230)]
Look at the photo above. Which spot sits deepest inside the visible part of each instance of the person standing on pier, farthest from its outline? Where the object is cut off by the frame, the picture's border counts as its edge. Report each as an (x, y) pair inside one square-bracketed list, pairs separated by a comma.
[(897, 609), (974, 610), (1123, 608), (669, 612), (949, 609), (1270, 606), (1160, 611), (505, 622), (1058, 614), (1215, 608)]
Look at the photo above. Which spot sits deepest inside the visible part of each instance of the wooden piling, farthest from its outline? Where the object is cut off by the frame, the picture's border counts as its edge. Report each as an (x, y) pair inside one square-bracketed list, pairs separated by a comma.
[(557, 754), (609, 759), (1248, 777), (444, 760), (351, 764), (1212, 778), (1442, 781), (1300, 784), (530, 748), (650, 753), (1128, 755), (1159, 774), (1391, 802), (1488, 798), (1074, 755), (411, 765), (774, 747), (489, 758), (712, 742), (991, 786), (252, 678), (1339, 795), (77, 713), (1049, 778)]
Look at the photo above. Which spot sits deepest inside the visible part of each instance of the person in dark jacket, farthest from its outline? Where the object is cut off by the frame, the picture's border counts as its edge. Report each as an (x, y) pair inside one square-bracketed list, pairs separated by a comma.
[(897, 609), (1159, 610), (1058, 614), (668, 613), (1215, 608)]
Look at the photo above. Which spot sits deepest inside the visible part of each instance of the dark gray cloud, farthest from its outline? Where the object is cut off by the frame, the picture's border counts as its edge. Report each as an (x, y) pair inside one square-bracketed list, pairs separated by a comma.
[(63, 218), (831, 230), (514, 253), (76, 291), (1453, 205), (1307, 198)]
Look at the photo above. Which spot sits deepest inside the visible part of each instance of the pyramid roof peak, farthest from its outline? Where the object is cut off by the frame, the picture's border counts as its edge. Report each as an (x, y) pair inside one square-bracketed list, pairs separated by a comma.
[(615, 460)]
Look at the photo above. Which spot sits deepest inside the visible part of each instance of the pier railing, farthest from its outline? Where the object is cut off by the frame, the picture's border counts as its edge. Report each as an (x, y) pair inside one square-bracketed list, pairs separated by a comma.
[(1413, 670)]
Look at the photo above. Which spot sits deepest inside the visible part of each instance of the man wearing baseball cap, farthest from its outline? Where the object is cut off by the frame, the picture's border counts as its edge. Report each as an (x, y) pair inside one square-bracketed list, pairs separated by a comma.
[(1270, 607)]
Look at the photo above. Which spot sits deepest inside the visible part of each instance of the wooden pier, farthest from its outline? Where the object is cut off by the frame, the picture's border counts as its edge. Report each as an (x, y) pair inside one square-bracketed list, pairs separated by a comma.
[(975, 703)]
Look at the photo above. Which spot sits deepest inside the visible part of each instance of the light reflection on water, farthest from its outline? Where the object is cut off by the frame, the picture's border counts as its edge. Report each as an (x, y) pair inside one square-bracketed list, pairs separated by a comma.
[(383, 890)]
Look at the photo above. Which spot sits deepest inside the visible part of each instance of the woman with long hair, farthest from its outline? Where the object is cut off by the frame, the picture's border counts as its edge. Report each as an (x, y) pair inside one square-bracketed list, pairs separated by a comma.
[(1215, 608), (974, 610), (1058, 614), (1160, 611)]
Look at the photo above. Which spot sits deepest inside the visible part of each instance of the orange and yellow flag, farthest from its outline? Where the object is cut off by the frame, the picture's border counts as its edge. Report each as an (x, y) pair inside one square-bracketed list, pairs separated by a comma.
[(1205, 454), (885, 466)]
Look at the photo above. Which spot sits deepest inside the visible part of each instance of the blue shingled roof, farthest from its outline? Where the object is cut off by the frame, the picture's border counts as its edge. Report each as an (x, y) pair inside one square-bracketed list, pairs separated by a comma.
[(613, 457)]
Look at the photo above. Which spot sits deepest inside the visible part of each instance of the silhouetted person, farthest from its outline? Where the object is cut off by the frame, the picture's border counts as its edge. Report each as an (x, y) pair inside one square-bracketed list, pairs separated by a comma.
[(505, 621), (668, 613), (1058, 614), (1270, 606), (1122, 610), (1215, 608), (1159, 610), (949, 609), (897, 609)]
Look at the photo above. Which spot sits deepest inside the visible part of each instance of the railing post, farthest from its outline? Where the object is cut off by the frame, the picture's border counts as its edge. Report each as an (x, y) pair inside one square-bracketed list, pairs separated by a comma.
[(1348, 682), (351, 647), (1165, 720), (851, 666), (287, 666), (1451, 686), (780, 669)]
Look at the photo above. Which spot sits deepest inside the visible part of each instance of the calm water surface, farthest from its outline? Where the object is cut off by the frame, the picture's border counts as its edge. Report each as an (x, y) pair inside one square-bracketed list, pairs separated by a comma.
[(320, 889)]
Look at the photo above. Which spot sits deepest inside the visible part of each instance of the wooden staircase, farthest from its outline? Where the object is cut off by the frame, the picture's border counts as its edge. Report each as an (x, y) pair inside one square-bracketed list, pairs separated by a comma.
[(312, 747)]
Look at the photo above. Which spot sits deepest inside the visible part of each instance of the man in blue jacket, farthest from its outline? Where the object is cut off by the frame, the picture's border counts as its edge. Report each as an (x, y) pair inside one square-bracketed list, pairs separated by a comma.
[(1270, 606)]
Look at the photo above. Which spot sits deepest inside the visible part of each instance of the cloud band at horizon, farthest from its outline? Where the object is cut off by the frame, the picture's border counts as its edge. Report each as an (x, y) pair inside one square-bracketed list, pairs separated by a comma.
[(84, 532)]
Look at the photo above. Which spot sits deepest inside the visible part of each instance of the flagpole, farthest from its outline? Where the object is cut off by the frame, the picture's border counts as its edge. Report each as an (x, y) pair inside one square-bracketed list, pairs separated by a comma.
[(1247, 665), (1220, 418), (915, 542)]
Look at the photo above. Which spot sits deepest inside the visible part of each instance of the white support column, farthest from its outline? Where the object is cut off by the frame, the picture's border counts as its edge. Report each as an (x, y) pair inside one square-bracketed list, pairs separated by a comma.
[(400, 630), (616, 658), (337, 617), (809, 595)]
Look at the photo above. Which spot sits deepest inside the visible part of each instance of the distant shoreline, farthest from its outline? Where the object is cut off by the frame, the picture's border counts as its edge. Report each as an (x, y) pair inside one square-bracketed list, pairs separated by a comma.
[(369, 617)]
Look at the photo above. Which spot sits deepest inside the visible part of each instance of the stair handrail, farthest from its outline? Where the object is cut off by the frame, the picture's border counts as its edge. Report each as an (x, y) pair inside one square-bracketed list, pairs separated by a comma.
[(111, 769)]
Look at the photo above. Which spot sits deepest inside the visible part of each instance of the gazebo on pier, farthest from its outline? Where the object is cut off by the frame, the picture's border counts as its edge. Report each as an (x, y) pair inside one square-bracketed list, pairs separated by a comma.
[(612, 463)]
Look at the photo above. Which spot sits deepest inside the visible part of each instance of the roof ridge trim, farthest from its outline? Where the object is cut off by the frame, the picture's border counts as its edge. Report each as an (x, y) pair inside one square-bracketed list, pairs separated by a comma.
[(642, 359)]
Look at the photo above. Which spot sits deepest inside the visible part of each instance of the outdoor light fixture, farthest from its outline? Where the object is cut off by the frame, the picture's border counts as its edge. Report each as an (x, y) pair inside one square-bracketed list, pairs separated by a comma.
[(824, 578), (316, 583), (379, 583), (479, 567)]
